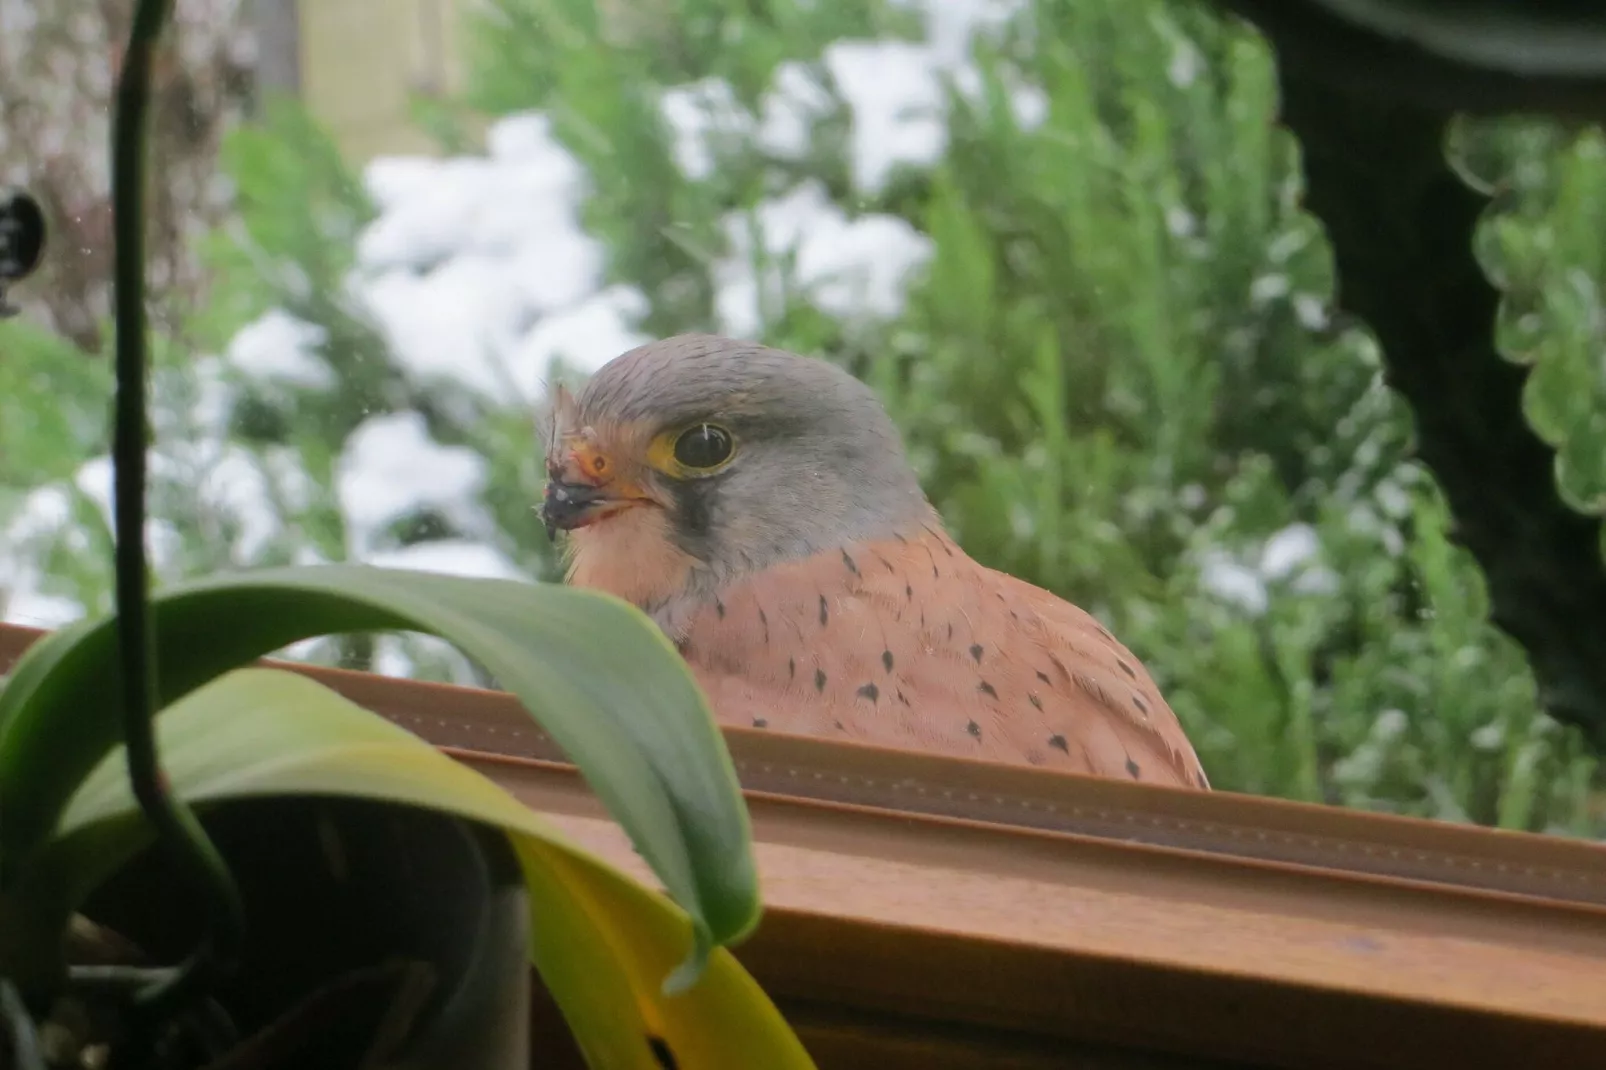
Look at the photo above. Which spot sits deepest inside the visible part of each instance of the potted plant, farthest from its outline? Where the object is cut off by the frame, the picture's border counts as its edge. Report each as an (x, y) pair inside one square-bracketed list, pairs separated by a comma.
[(335, 892)]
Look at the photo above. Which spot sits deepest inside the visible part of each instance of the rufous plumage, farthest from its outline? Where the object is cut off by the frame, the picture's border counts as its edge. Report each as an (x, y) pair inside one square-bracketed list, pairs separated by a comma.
[(758, 506)]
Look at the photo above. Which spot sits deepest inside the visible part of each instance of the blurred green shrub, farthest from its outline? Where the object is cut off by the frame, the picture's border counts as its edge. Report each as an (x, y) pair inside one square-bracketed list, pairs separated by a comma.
[(1117, 370)]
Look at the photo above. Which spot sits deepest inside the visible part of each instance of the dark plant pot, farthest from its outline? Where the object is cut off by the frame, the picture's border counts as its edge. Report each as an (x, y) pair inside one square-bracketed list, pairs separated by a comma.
[(338, 893)]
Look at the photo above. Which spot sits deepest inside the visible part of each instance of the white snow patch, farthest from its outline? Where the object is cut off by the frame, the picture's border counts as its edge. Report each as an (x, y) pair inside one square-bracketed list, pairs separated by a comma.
[(450, 557), (1268, 288), (702, 115), (94, 480), (952, 26), (43, 514), (1317, 580), (226, 479), (1232, 581), (1393, 499), (528, 184), (390, 658), (795, 101), (849, 268), (279, 347), (893, 90), (235, 483), (391, 467), (471, 254), (35, 609), (1289, 558), (1186, 64), (1287, 550), (451, 323), (586, 336)]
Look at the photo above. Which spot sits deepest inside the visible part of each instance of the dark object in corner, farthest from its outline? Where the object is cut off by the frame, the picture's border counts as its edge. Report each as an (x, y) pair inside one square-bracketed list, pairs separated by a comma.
[(1368, 88), (22, 241), (378, 935), (1478, 56)]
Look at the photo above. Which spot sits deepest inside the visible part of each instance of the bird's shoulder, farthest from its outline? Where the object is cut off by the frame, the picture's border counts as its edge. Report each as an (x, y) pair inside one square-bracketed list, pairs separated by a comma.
[(909, 642)]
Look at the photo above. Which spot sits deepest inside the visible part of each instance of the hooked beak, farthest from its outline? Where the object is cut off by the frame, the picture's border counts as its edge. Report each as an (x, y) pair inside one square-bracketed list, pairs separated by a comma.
[(574, 505), (580, 490)]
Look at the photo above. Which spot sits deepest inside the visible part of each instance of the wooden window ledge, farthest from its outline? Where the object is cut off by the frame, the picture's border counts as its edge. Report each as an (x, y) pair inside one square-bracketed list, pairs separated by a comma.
[(944, 914)]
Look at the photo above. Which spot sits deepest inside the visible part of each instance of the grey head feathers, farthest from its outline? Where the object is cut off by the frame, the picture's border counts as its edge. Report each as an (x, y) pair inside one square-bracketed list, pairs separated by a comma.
[(819, 462)]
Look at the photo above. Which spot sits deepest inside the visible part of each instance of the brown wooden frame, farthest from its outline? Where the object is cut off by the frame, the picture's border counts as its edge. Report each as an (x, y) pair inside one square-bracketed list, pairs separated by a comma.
[(938, 913)]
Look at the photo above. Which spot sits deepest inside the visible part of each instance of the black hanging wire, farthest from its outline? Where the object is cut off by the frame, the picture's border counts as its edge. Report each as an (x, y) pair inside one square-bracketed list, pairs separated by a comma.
[(22, 242), (177, 830)]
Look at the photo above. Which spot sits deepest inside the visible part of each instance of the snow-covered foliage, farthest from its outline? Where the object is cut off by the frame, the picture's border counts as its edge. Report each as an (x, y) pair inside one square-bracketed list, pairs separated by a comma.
[(1062, 240)]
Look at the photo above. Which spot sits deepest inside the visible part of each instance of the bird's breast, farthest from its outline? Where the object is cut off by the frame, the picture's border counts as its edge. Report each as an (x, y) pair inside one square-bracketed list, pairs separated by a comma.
[(909, 643), (631, 555)]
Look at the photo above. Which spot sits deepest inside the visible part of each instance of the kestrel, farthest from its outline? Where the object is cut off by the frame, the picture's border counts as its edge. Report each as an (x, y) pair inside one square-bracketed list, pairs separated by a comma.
[(758, 506)]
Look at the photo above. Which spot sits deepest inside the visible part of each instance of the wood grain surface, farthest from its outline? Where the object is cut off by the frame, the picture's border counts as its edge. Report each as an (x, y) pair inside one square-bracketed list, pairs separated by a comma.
[(926, 912)]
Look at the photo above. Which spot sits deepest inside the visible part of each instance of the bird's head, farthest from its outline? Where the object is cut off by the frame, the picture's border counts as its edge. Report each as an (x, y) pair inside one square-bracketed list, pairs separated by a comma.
[(698, 459)]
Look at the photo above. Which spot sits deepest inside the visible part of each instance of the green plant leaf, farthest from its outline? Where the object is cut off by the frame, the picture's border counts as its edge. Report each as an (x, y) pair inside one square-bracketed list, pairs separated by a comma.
[(602, 942), (594, 671)]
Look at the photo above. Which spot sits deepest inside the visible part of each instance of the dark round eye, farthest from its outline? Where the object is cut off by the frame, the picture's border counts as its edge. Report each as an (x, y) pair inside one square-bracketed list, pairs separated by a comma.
[(704, 446)]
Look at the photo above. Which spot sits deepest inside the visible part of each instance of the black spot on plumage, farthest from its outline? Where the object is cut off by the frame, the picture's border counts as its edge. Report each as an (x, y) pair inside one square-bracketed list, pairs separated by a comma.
[(950, 629), (1126, 668), (1043, 676), (976, 652), (1143, 707), (1092, 687), (974, 729), (765, 622), (987, 689), (885, 563), (869, 691), (847, 559), (1059, 667), (901, 698), (838, 726), (1035, 701), (661, 1053), (825, 611), (759, 722), (819, 679), (909, 592), (1133, 770), (719, 607), (1058, 742), (886, 660)]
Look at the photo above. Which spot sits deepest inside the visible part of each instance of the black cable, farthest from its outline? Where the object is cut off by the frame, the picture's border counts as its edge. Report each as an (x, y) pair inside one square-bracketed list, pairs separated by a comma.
[(176, 828)]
